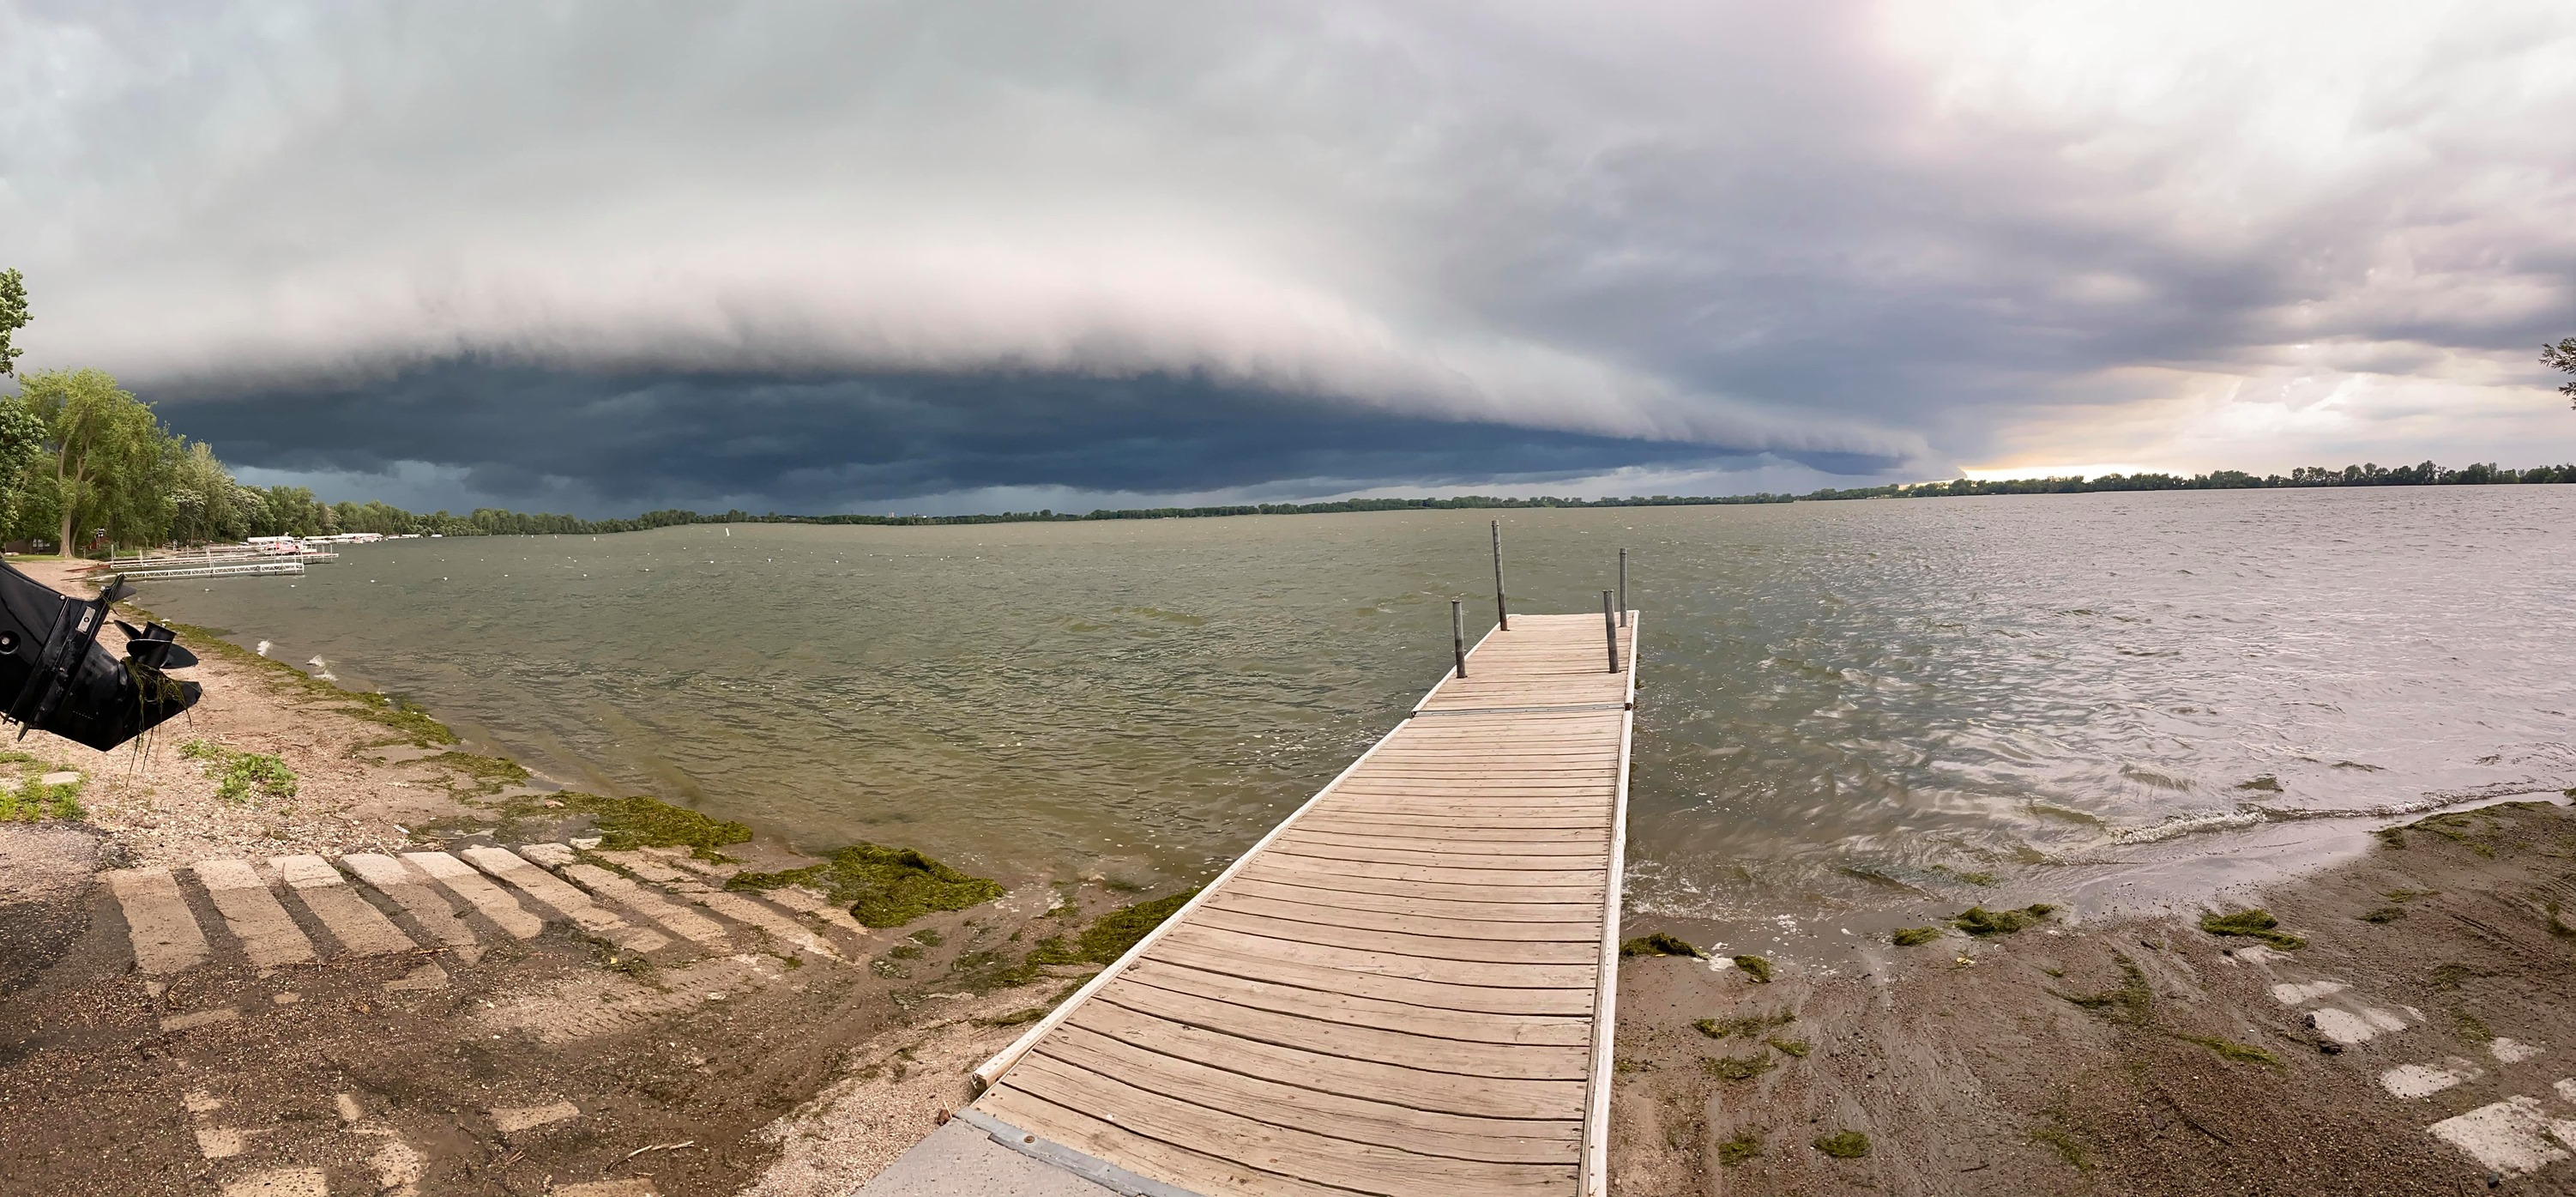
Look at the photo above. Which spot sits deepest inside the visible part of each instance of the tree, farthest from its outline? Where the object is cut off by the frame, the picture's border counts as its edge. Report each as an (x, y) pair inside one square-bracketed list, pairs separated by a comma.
[(13, 316), (22, 448), (2562, 356), (107, 451), (205, 503)]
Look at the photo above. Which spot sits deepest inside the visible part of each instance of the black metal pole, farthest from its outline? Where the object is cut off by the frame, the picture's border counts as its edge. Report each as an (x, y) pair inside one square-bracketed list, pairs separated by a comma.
[(1458, 633), (1610, 628), (1623, 588), (1502, 614)]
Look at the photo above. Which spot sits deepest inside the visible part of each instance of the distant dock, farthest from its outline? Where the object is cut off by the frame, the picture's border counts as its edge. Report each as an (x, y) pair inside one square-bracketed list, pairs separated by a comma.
[(215, 562), (1406, 988)]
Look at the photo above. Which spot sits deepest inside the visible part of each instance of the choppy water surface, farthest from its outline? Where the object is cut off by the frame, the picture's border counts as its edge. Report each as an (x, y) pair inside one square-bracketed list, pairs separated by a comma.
[(1881, 687)]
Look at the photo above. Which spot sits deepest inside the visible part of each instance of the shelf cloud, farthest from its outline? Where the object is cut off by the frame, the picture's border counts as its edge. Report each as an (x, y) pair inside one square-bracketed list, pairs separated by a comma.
[(838, 255)]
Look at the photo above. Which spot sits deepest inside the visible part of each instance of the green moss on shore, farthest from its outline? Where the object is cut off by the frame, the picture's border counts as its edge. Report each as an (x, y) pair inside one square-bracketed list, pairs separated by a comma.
[(640, 822), (1738, 1068), (1104, 941), (1661, 943), (2240, 1052), (1744, 1025), (883, 887), (2255, 923), (485, 774), (1844, 1145), (1979, 921)]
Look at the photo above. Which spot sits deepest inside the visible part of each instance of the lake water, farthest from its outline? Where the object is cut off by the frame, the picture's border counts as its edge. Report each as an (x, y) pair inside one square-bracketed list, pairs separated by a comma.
[(1830, 691)]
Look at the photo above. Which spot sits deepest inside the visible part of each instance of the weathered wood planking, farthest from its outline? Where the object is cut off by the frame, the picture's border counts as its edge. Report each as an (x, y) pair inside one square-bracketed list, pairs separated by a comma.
[(1405, 988)]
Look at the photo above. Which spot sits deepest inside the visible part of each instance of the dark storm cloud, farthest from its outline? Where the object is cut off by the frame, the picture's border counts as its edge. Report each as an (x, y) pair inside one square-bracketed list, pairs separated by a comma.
[(628, 442), (1891, 238)]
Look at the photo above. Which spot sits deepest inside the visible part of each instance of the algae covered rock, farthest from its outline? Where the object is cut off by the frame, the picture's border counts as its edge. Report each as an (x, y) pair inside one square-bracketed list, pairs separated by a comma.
[(1661, 943), (1977, 920)]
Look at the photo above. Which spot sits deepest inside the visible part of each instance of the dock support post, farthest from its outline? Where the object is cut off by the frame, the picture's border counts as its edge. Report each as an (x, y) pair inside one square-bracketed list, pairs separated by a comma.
[(1623, 588), (1610, 628), (1502, 616), (1458, 633)]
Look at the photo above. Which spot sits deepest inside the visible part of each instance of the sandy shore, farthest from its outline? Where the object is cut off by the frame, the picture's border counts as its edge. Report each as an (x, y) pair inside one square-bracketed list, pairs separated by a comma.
[(791, 1074)]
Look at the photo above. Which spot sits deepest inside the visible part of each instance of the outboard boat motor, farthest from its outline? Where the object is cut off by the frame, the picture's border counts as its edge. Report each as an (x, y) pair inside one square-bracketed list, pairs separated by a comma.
[(54, 674)]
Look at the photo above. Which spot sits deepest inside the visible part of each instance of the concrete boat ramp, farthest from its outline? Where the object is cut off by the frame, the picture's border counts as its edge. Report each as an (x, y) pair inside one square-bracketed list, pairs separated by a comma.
[(1406, 988)]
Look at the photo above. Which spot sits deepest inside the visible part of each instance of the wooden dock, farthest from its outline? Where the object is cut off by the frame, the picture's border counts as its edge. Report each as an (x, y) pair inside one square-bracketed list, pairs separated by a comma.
[(1406, 988)]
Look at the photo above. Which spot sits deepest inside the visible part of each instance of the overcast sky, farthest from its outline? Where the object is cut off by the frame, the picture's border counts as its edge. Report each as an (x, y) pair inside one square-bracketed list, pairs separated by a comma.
[(948, 256)]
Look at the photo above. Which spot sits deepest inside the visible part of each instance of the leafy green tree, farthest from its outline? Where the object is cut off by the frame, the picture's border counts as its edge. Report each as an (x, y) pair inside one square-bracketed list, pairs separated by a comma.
[(22, 448), (2562, 356), (107, 453), (13, 316), (205, 503)]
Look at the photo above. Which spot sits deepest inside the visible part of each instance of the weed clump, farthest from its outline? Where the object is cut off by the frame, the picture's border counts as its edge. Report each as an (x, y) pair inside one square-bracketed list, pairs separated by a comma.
[(32, 801), (2230, 1049), (1738, 1068), (1979, 921), (2382, 915), (1793, 1048), (1661, 943), (1844, 1145), (2256, 923), (488, 774), (1105, 941), (883, 887), (1015, 1018), (625, 824), (2471, 1027), (238, 774), (2068, 1147), (1756, 967), (2558, 926), (1741, 1148), (2126, 1003), (1907, 937), (1750, 1024)]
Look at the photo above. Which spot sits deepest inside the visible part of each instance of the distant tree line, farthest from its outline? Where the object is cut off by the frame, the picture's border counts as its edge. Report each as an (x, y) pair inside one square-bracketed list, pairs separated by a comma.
[(497, 522)]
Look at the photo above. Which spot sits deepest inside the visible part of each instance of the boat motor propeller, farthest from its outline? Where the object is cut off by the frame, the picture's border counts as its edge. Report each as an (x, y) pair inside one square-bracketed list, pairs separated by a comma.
[(62, 681)]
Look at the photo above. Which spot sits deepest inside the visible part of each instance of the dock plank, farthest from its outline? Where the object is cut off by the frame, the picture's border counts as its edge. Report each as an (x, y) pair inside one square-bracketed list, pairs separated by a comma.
[(1322, 998), (1422, 1088), (1431, 1132)]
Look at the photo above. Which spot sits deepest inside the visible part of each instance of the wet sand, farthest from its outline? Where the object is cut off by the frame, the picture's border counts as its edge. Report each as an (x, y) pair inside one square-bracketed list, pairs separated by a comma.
[(2135, 1053)]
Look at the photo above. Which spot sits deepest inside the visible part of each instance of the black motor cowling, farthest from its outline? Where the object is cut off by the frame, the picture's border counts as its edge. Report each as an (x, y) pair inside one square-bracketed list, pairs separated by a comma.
[(55, 675)]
